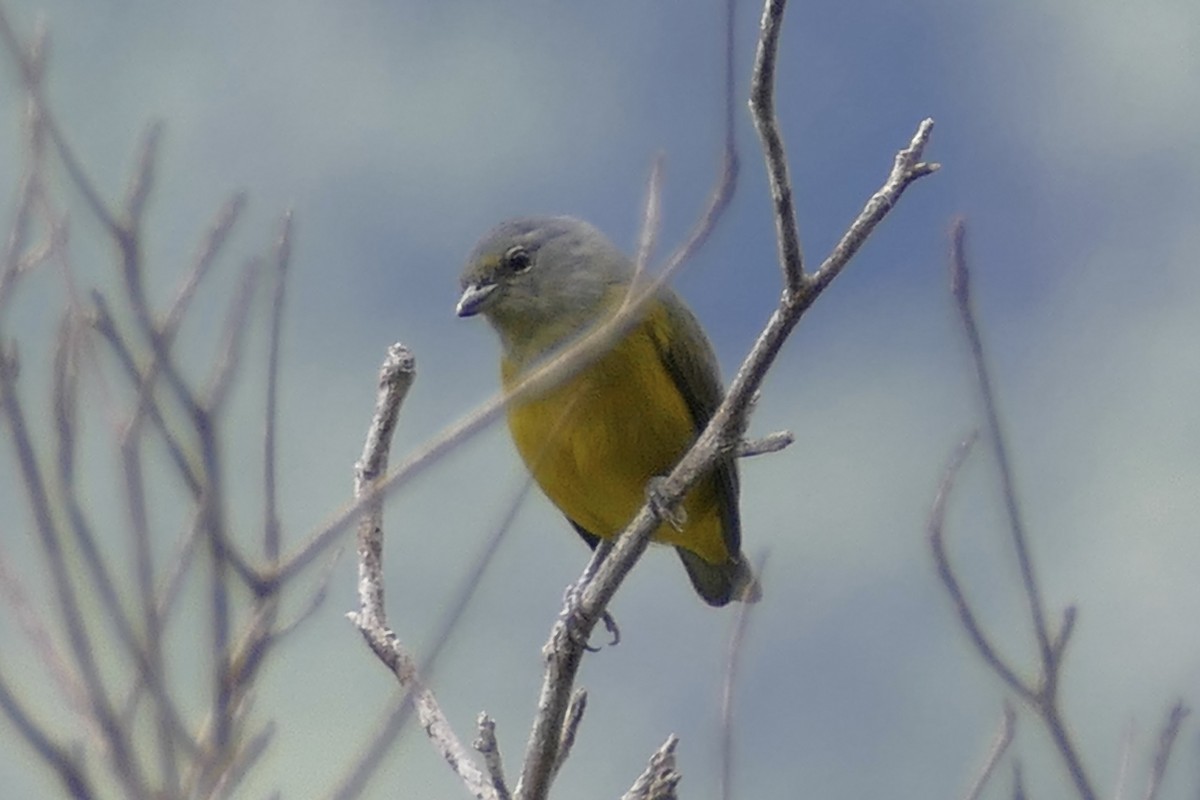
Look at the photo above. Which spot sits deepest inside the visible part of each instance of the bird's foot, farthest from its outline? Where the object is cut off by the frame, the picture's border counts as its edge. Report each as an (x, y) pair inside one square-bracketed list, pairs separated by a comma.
[(674, 515), (572, 618)]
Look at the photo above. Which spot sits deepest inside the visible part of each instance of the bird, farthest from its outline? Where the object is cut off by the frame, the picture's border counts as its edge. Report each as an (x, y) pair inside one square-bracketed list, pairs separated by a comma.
[(596, 441)]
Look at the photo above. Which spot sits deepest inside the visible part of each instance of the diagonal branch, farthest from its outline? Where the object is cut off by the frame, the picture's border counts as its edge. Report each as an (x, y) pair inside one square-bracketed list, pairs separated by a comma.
[(960, 288), (564, 650), (938, 544), (1166, 741)]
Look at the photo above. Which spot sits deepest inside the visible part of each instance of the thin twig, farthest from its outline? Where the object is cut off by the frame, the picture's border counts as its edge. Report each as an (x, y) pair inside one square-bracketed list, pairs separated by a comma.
[(1042, 695), (35, 628), (1018, 782), (566, 741), (146, 657), (652, 216), (71, 771), (142, 179), (1123, 762), (30, 66), (271, 532), (762, 108), (373, 753), (1166, 741), (771, 443), (938, 545), (238, 767), (737, 638), (32, 180), (232, 346), (124, 761), (487, 746), (960, 288), (1004, 737), (371, 619), (660, 778)]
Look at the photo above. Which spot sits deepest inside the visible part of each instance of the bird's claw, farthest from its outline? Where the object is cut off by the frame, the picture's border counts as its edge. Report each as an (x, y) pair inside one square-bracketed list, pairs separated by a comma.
[(674, 515), (573, 620)]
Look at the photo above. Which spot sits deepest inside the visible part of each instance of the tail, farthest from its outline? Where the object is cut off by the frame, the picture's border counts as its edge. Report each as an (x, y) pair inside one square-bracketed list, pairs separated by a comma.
[(717, 584)]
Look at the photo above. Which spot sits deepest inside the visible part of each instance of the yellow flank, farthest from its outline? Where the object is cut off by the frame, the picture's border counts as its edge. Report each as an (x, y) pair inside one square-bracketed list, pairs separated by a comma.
[(594, 442)]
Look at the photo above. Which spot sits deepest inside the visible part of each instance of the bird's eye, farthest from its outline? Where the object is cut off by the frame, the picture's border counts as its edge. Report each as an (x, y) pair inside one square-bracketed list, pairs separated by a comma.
[(517, 259)]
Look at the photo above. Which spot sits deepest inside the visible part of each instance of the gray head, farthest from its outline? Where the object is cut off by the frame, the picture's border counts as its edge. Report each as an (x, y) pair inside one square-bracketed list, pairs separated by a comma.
[(539, 280)]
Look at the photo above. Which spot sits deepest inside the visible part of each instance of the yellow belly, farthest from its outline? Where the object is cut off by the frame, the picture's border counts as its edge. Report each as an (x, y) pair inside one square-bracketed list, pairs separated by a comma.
[(593, 443)]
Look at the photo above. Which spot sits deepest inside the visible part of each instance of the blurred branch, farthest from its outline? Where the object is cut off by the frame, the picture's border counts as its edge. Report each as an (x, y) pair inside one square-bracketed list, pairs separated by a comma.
[(50, 537), (1166, 741), (937, 541), (71, 771), (1041, 694), (1004, 738), (737, 638), (90, 590), (271, 525), (960, 288)]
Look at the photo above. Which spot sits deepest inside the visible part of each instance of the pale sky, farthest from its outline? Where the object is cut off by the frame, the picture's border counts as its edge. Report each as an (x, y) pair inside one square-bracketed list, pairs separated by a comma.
[(399, 132)]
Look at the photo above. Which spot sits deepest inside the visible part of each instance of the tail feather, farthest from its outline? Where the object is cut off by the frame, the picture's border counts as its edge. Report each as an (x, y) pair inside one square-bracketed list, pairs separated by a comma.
[(720, 583)]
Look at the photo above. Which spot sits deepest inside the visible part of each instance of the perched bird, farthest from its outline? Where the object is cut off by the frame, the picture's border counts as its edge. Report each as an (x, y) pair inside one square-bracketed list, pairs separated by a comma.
[(594, 441)]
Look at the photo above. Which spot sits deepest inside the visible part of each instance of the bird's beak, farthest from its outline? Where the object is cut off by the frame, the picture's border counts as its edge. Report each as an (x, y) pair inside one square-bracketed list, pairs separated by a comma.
[(475, 298)]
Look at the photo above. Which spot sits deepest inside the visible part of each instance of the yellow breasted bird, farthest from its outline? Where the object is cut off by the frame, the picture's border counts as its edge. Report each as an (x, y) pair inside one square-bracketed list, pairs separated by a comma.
[(595, 440)]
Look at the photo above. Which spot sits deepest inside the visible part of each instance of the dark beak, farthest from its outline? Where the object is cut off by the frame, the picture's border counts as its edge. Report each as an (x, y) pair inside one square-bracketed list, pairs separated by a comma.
[(475, 298)]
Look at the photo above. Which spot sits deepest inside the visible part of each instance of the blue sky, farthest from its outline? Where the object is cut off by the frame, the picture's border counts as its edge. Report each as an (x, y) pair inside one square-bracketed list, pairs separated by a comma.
[(400, 132)]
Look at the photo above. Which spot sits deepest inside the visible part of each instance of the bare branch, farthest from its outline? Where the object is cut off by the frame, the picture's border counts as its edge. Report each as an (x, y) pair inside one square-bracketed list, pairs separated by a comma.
[(1166, 741), (762, 109), (49, 536), (70, 770), (1123, 763), (771, 443), (1043, 697), (238, 767), (1018, 782), (371, 619), (937, 542), (489, 748), (564, 649), (211, 246), (30, 64), (737, 639), (660, 777), (570, 728), (271, 532), (651, 222), (372, 754), (143, 177), (35, 628), (1004, 737), (960, 287), (233, 335)]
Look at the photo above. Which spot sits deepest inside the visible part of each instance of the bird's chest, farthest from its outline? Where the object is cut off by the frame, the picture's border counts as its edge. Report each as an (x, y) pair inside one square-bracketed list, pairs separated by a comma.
[(594, 441)]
